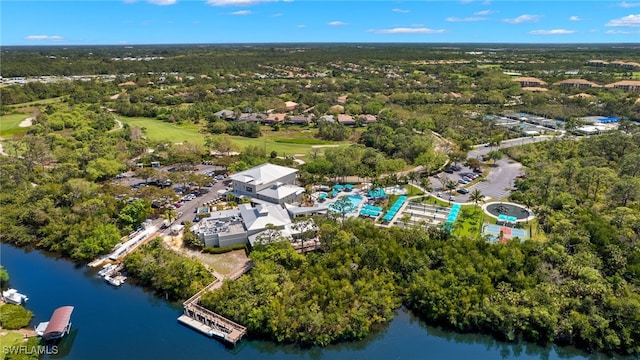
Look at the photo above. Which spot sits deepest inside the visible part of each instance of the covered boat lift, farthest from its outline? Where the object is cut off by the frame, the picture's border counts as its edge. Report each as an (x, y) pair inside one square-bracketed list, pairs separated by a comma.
[(58, 326)]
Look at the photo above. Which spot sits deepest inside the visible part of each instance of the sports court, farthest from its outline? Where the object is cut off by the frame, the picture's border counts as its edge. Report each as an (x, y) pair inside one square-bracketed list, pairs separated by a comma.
[(508, 233)]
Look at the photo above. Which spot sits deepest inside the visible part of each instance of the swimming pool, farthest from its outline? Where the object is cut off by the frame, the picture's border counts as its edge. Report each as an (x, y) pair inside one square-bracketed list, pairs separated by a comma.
[(353, 199)]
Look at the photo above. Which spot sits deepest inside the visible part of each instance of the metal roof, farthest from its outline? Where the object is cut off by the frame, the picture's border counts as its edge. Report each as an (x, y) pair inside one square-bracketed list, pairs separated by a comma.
[(59, 321)]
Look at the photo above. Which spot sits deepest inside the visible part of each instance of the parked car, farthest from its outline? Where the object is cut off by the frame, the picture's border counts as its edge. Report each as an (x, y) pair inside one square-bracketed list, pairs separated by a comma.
[(196, 219), (448, 170), (463, 191)]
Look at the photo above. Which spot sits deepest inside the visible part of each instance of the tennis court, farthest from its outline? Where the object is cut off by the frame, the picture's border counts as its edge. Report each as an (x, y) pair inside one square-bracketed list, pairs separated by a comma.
[(508, 233)]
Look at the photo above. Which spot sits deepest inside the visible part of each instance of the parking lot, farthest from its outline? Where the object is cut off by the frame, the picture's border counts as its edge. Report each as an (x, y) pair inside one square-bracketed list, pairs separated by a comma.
[(189, 199)]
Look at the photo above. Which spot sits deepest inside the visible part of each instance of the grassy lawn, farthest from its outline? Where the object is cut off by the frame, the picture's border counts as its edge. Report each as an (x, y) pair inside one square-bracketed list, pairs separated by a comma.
[(413, 191), (489, 66), (38, 102), (9, 124), (634, 75), (160, 130), (11, 338), (287, 141), (469, 222)]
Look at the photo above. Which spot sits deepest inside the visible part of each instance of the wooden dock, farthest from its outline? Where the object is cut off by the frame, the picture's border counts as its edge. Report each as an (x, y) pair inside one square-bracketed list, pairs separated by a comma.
[(209, 323)]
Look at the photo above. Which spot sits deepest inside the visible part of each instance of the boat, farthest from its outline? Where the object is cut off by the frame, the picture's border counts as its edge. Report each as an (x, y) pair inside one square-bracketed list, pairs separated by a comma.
[(12, 296), (107, 269), (115, 280), (58, 326)]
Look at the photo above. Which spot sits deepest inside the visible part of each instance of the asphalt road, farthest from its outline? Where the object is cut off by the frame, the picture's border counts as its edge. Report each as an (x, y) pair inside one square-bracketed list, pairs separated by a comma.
[(500, 179)]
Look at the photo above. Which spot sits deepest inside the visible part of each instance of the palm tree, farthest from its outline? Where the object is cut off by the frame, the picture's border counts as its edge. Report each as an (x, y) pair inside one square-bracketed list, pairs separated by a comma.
[(170, 215), (451, 185), (476, 196), (425, 184)]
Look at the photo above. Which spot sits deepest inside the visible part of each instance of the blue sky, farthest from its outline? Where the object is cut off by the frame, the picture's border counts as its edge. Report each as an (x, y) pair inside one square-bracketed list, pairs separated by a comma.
[(87, 22)]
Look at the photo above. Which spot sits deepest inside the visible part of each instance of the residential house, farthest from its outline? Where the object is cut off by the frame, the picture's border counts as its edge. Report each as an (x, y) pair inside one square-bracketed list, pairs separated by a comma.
[(529, 81), (626, 85), (577, 83), (225, 115), (275, 119), (299, 119), (328, 118), (290, 105), (368, 119), (252, 117), (598, 63), (346, 119)]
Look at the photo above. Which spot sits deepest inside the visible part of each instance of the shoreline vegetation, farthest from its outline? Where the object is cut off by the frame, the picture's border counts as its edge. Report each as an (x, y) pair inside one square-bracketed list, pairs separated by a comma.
[(576, 284), (15, 333)]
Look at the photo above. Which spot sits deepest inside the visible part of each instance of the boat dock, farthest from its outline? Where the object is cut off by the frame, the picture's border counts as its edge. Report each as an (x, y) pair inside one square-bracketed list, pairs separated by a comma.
[(209, 323), (58, 326)]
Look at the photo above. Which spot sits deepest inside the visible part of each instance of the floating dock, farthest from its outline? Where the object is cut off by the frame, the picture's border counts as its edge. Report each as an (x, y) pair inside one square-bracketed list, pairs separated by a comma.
[(209, 323)]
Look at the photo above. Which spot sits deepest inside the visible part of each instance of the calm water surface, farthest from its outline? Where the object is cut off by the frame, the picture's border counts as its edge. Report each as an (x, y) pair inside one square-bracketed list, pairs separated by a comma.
[(130, 323)]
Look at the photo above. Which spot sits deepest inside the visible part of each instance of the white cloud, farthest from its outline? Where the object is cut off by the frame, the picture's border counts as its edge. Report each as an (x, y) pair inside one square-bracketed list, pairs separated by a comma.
[(301, 26), (625, 4), (552, 32), (236, 2), (241, 12), (44, 37), (523, 18), (467, 19), (403, 30), (632, 20), (622, 32), (337, 23), (402, 11), (485, 12), (574, 18), (162, 2), (276, 15)]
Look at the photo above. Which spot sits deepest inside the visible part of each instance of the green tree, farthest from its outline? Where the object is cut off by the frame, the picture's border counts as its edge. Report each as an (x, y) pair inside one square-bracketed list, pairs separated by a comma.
[(476, 196), (4, 277), (14, 316)]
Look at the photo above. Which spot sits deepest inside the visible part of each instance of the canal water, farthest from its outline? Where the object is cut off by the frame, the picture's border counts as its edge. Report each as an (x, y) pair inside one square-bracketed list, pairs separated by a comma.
[(130, 323)]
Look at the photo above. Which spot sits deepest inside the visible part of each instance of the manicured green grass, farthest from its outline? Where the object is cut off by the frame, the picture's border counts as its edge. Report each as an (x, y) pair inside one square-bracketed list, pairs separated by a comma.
[(287, 141), (9, 124), (9, 339), (634, 76), (469, 222), (38, 102), (159, 130), (413, 191)]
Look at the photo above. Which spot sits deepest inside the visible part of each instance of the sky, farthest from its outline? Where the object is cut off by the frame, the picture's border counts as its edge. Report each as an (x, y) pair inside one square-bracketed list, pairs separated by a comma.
[(118, 22)]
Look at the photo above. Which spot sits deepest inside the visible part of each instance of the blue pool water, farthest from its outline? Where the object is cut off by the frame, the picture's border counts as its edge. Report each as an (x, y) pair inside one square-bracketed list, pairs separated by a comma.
[(355, 202)]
